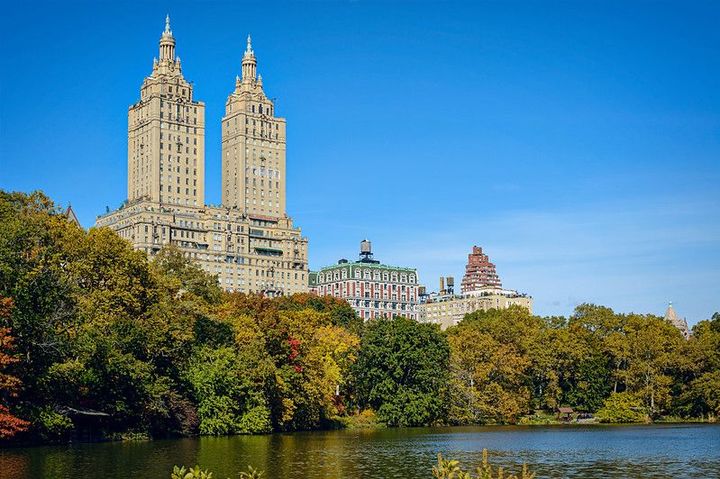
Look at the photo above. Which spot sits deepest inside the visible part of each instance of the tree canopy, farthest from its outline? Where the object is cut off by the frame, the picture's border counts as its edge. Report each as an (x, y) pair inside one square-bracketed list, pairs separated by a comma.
[(95, 338)]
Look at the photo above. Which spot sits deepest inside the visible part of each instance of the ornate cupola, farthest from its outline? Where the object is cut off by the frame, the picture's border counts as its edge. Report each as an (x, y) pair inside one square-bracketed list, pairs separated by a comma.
[(167, 43), (249, 63)]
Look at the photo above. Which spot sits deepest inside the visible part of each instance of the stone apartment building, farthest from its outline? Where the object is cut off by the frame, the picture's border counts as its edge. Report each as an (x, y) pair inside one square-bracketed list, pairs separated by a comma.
[(248, 241)]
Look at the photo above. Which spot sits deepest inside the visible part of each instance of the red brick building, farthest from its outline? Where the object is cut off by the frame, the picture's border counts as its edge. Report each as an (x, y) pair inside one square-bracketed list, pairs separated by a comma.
[(374, 290), (479, 272)]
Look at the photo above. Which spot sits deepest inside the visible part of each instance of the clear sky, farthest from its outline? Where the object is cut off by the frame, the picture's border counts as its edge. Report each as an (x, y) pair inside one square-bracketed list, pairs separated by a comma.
[(578, 142)]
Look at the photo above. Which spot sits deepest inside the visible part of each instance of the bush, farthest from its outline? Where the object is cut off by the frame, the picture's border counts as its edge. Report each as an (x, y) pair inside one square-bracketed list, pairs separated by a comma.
[(54, 426), (445, 469), (450, 469), (621, 408), (197, 473), (366, 419)]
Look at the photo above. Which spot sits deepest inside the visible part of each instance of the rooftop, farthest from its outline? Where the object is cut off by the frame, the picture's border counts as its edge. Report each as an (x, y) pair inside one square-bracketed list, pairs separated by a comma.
[(366, 265)]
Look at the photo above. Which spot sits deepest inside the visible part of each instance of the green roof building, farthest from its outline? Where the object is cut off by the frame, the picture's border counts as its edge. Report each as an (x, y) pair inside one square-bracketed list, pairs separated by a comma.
[(373, 289)]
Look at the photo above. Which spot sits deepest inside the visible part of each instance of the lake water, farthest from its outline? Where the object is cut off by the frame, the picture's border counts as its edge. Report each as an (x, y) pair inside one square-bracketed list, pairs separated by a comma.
[(655, 451)]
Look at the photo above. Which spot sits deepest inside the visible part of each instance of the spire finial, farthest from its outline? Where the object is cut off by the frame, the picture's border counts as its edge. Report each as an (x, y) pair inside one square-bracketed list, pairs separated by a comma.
[(167, 24), (249, 44)]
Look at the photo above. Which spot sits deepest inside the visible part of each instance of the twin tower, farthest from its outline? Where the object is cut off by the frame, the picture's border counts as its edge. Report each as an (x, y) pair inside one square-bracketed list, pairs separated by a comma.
[(248, 242), (166, 140)]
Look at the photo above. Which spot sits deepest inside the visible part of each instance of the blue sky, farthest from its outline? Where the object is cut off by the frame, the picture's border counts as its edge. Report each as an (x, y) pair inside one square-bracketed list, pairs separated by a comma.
[(577, 142)]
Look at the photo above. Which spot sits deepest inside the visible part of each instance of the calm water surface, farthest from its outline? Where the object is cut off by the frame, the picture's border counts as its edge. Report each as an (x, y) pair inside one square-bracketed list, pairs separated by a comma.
[(657, 451)]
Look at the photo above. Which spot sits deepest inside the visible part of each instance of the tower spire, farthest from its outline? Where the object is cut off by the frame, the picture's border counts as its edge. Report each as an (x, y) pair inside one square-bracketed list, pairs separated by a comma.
[(167, 43), (249, 64)]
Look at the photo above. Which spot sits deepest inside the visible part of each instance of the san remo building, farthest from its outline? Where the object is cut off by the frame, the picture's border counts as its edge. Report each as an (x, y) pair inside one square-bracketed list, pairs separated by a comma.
[(248, 241)]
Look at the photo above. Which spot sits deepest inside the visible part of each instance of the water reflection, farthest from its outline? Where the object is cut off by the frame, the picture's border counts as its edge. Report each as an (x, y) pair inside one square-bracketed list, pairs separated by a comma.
[(553, 452)]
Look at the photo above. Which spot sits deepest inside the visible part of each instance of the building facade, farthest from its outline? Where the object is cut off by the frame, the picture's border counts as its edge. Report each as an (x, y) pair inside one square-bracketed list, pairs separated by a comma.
[(253, 146), (479, 272), (481, 290), (249, 242), (373, 289), (166, 135), (449, 309)]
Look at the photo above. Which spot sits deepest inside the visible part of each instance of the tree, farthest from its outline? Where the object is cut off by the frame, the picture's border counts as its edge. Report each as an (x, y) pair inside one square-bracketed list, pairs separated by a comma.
[(604, 333), (229, 401), (699, 390), (621, 408), (401, 371), (492, 366), (10, 425), (182, 278), (643, 352), (653, 347), (308, 353), (339, 310)]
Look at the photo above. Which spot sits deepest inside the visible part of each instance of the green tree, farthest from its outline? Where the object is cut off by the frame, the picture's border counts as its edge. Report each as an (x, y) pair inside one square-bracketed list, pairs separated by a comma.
[(620, 408), (653, 352), (229, 399), (401, 371), (699, 381)]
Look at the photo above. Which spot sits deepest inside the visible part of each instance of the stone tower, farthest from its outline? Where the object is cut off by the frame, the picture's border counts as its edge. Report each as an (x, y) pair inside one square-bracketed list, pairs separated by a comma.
[(253, 147), (479, 272), (166, 135), (248, 243), (672, 317)]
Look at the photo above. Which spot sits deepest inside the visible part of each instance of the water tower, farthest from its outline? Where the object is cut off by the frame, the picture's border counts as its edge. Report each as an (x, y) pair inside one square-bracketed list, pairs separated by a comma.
[(450, 285), (366, 255)]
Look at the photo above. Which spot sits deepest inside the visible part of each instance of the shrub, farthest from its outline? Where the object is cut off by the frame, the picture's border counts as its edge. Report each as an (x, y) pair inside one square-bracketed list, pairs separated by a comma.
[(197, 473), (621, 408), (53, 425), (450, 469)]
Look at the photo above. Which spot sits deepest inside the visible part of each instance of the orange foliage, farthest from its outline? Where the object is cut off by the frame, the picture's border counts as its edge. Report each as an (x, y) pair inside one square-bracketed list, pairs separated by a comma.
[(9, 424)]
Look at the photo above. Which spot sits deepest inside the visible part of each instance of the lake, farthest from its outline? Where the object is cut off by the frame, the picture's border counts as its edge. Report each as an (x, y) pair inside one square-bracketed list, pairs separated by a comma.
[(647, 451)]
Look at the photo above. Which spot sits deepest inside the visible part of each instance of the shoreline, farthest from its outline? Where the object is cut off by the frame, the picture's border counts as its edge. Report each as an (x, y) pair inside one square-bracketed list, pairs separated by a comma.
[(137, 438)]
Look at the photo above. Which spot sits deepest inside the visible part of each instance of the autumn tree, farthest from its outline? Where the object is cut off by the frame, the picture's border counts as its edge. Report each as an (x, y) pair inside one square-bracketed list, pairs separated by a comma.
[(10, 425), (492, 366), (304, 356), (653, 345), (699, 382)]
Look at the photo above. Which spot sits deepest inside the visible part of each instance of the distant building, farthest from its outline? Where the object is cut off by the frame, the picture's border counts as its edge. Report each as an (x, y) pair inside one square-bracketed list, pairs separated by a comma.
[(481, 290), (249, 241), (479, 272), (449, 309), (672, 317), (374, 290), (71, 216)]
